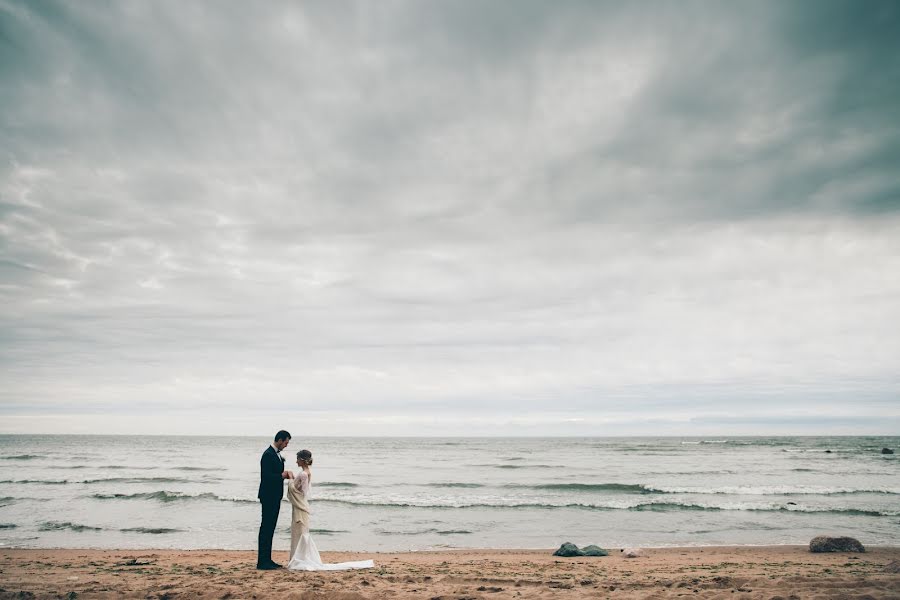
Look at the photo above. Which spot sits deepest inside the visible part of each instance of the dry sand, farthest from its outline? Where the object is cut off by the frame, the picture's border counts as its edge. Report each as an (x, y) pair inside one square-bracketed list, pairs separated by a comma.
[(785, 572)]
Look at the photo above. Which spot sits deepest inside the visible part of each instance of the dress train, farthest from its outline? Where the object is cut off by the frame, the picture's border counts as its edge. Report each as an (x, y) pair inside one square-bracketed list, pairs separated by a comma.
[(306, 558)]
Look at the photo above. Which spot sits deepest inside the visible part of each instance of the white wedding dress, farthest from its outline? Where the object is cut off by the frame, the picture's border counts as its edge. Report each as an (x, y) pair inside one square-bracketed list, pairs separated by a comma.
[(306, 555)]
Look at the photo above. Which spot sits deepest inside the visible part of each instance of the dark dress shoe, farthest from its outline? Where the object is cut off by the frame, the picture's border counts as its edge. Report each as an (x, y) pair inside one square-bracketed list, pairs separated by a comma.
[(275, 565), (267, 567)]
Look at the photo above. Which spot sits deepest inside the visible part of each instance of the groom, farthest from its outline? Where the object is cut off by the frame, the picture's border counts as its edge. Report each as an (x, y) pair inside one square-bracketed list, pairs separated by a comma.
[(271, 490)]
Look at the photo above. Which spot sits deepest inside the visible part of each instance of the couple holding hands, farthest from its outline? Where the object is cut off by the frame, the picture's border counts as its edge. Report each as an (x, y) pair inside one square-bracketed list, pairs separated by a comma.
[(272, 474)]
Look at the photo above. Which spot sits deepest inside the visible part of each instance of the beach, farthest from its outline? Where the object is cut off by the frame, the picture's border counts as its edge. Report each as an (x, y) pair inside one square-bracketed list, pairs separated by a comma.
[(769, 572)]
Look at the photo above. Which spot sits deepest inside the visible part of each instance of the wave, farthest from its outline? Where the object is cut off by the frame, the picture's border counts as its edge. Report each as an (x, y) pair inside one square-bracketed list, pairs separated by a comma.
[(762, 442), (592, 487), (637, 488), (58, 526), (8, 525), (165, 496), (9, 500), (438, 505), (775, 490), (151, 530), (21, 457), (103, 480), (669, 473), (43, 481), (337, 484), (327, 531), (837, 511), (419, 504), (107, 467), (138, 480), (419, 532), (639, 506), (451, 484), (668, 506), (454, 532), (190, 469), (496, 466)]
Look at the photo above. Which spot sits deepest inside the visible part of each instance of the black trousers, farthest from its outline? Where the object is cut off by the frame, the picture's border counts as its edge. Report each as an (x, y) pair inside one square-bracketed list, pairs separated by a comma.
[(270, 509)]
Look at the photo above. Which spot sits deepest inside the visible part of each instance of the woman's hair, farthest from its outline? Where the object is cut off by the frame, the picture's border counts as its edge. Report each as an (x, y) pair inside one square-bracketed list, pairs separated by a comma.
[(305, 456)]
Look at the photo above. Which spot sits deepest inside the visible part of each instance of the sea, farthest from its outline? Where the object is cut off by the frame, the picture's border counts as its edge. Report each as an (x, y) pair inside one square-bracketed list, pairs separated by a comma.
[(398, 494)]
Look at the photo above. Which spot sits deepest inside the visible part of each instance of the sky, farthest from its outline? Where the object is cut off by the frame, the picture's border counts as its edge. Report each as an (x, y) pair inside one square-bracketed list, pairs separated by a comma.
[(450, 217)]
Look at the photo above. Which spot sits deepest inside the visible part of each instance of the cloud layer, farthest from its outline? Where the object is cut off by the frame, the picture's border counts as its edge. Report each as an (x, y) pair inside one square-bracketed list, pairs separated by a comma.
[(450, 218)]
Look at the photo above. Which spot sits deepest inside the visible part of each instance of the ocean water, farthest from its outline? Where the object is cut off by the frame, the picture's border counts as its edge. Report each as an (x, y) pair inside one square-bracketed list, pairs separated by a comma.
[(392, 494)]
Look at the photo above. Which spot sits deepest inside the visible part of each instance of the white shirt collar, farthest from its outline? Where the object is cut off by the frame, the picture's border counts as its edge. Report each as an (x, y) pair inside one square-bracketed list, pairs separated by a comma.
[(277, 451)]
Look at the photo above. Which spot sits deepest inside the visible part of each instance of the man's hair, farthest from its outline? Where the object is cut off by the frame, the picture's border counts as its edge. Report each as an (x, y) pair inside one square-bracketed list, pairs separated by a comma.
[(282, 435)]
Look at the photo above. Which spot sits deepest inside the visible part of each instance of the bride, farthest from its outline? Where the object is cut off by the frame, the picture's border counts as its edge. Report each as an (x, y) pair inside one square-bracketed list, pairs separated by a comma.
[(304, 554)]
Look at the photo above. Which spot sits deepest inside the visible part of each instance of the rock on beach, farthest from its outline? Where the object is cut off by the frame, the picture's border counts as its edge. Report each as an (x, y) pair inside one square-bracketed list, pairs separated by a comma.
[(824, 543)]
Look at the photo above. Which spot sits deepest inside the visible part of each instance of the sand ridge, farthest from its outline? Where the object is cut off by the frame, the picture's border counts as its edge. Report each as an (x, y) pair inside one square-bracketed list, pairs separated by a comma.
[(778, 572)]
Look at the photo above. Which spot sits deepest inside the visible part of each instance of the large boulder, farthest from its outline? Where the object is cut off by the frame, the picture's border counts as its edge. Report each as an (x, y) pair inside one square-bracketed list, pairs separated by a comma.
[(823, 543), (593, 550), (887, 451), (568, 549)]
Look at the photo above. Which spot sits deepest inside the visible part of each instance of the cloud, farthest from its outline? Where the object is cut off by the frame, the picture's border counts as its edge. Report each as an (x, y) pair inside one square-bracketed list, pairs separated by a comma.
[(459, 211)]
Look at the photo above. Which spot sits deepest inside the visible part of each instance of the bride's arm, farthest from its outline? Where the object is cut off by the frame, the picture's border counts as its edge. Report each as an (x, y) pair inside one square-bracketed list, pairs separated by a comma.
[(306, 477), (301, 482)]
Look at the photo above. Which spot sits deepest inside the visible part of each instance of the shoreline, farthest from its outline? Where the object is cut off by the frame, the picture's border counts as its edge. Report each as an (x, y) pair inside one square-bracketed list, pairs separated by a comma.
[(414, 551), (767, 572)]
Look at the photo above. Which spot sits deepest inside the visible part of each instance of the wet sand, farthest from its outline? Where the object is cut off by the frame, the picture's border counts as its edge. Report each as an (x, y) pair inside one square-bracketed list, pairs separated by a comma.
[(778, 572)]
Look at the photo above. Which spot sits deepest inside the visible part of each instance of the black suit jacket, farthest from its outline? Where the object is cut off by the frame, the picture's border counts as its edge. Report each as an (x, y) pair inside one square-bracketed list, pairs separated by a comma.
[(271, 466)]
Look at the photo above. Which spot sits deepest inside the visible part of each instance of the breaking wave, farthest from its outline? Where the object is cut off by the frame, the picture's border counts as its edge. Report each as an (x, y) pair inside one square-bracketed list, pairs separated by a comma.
[(63, 525), (164, 496), (611, 506), (151, 530)]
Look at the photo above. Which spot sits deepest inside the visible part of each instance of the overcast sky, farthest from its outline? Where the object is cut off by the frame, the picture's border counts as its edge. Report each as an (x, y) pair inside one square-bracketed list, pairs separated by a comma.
[(450, 218)]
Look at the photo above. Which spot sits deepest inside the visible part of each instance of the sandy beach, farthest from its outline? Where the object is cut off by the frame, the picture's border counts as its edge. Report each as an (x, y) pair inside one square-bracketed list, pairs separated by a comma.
[(786, 572)]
